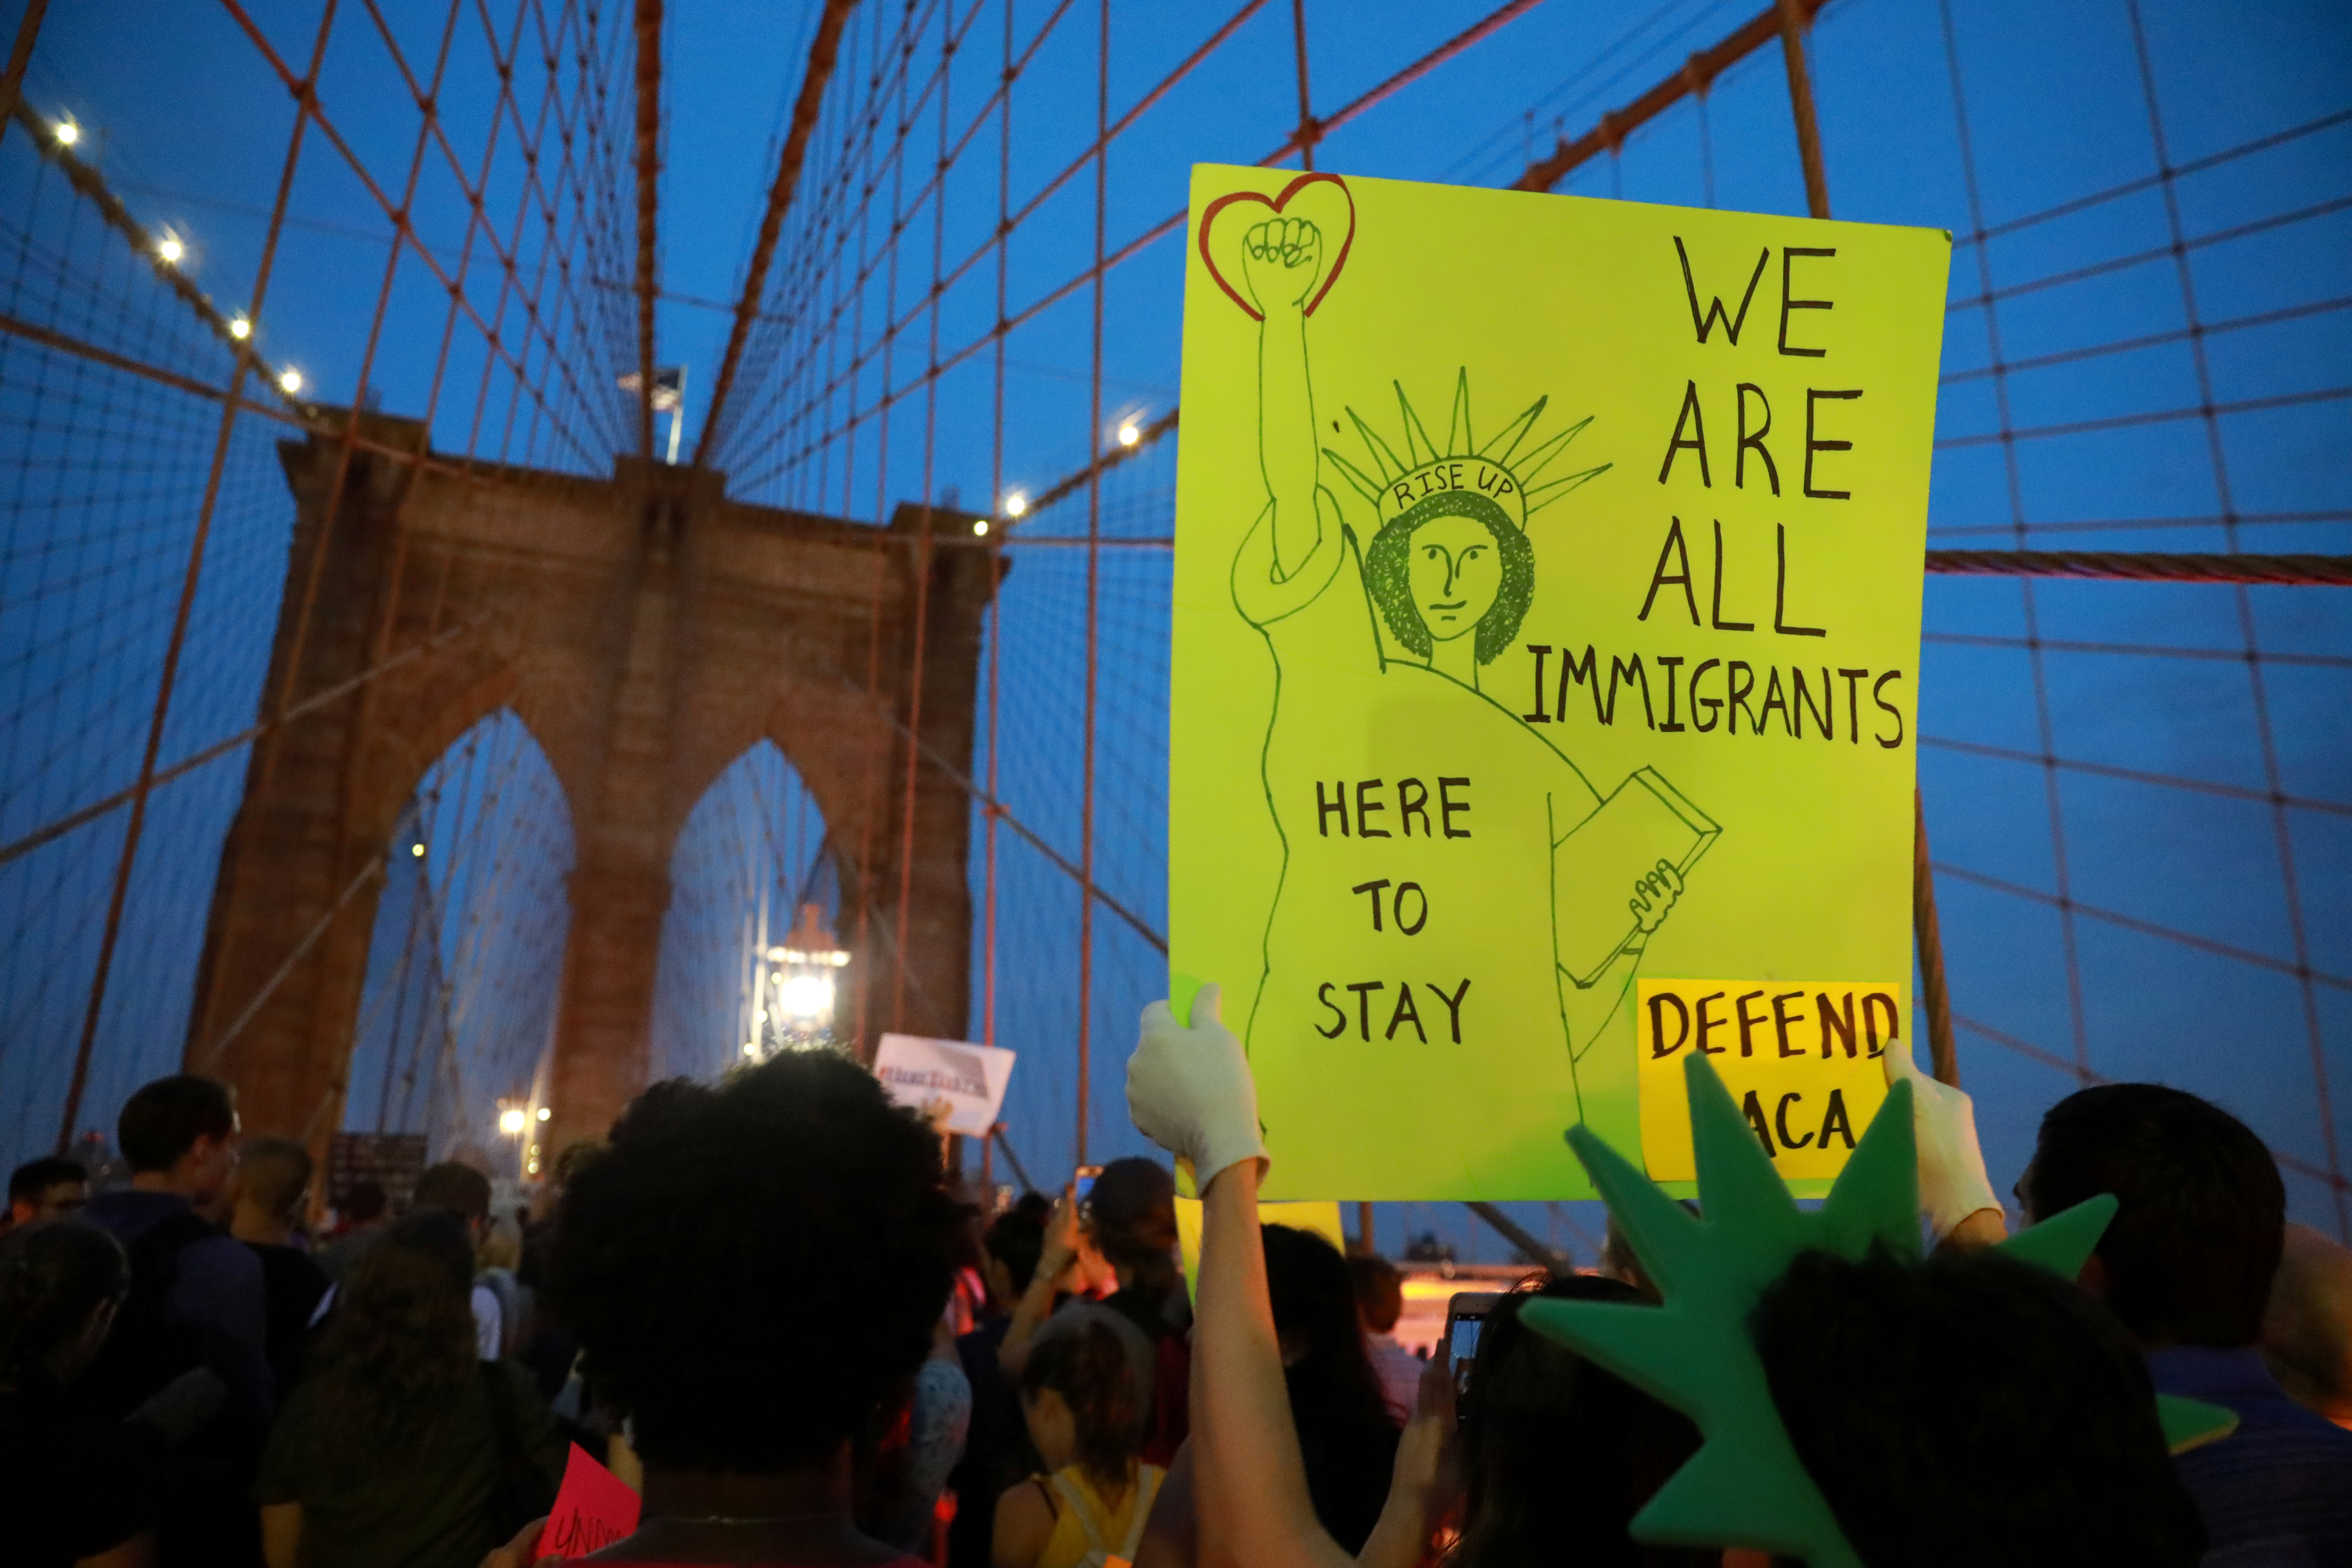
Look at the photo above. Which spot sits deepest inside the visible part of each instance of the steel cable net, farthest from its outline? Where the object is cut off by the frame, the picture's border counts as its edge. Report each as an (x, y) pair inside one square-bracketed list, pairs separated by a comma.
[(419, 209), (2137, 792)]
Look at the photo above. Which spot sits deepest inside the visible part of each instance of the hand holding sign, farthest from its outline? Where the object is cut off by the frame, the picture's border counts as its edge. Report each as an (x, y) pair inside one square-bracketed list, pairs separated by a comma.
[(1190, 1091), (1653, 894), (956, 1086), (1952, 1180)]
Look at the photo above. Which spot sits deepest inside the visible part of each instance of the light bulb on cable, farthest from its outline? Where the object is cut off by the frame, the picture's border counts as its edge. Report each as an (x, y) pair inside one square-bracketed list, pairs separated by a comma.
[(289, 381), (67, 133), (1129, 434), (240, 328), (170, 248), (1016, 505)]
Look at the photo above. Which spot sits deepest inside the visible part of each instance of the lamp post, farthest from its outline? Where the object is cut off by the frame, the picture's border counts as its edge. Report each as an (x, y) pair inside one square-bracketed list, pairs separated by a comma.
[(803, 982), (517, 1120)]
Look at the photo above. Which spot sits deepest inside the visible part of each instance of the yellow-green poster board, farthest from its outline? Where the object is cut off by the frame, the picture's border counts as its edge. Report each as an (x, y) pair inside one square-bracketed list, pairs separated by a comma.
[(1547, 628)]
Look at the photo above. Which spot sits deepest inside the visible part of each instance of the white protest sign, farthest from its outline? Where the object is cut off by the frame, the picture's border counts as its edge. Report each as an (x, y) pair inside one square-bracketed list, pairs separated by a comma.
[(970, 1077)]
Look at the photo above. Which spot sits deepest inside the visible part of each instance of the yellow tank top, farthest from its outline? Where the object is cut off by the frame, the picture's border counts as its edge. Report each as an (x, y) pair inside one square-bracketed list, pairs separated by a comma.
[(1088, 1534)]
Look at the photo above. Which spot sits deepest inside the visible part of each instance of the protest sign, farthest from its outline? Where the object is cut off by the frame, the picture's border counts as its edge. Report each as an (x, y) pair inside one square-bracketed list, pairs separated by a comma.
[(593, 1508), (1322, 1219), (970, 1077), (1546, 624), (392, 1161)]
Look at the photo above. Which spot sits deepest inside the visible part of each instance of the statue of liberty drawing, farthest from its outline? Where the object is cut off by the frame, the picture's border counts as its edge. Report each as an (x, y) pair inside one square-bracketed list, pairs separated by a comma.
[(1474, 876)]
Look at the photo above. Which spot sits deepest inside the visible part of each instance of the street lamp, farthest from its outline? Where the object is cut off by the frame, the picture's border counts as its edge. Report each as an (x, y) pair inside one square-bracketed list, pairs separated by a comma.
[(804, 980), (516, 1118)]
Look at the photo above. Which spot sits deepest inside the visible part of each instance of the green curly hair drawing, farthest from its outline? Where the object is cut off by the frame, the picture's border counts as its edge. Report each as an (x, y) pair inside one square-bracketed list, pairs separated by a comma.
[(1387, 573)]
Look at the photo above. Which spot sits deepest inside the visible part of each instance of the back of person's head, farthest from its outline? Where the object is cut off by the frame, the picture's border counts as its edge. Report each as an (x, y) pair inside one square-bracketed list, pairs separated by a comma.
[(1380, 1291), (501, 1246), (574, 1158), (2308, 1329), (1089, 1369), (2190, 1254), (274, 1174), (31, 1182), (161, 1121), (53, 1277), (455, 1186), (1558, 1455), (750, 1269), (1346, 1435), (1131, 1212), (1017, 1239), (364, 1203), (1971, 1409), (401, 1346)]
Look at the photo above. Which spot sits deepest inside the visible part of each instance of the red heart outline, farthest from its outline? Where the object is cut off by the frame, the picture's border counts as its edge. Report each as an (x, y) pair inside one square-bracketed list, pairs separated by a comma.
[(1330, 275)]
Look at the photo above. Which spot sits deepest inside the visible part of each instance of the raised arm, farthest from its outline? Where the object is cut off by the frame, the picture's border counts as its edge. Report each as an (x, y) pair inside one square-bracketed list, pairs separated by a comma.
[(1190, 1091), (1036, 1303), (1282, 260)]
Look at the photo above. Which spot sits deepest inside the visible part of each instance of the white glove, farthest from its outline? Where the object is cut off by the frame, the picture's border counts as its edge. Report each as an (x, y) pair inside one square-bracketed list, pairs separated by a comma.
[(1952, 1180), (1190, 1089)]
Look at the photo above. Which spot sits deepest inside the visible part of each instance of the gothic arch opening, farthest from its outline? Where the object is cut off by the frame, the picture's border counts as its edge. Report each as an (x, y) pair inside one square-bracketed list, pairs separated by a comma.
[(755, 853), (456, 1016)]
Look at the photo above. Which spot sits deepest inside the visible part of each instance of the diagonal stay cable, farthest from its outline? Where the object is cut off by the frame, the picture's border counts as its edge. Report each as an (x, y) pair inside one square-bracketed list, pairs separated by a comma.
[(1475, 33), (204, 1059), (2087, 1076), (18, 847), (2145, 927), (824, 49), (2134, 776), (1001, 812)]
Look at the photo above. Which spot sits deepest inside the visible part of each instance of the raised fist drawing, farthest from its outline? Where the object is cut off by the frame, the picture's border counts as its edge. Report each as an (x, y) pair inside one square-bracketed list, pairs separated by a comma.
[(1281, 259)]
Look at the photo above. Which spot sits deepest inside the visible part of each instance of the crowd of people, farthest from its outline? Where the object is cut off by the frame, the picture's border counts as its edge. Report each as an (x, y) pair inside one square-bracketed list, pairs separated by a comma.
[(770, 1307)]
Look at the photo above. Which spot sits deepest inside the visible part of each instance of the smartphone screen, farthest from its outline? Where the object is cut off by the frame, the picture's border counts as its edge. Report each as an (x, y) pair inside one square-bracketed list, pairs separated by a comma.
[(1085, 1181), (1465, 1316)]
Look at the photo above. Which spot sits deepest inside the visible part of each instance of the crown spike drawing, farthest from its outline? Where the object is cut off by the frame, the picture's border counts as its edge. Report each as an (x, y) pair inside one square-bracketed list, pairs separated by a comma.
[(1745, 1486), (1395, 484)]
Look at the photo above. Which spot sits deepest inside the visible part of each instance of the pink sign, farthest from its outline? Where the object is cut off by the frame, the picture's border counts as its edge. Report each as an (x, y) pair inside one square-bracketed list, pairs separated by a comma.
[(594, 1508)]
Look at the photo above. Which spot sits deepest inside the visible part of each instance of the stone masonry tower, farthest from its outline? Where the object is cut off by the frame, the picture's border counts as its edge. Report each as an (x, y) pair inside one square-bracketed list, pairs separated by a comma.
[(649, 631)]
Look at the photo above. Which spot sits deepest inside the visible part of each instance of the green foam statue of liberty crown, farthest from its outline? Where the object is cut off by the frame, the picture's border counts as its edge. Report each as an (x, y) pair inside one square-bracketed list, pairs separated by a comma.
[(1745, 1487)]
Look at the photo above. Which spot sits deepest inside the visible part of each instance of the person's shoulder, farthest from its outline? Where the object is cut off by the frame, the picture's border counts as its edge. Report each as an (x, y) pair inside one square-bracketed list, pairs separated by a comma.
[(509, 1379), (281, 1262), (217, 1253)]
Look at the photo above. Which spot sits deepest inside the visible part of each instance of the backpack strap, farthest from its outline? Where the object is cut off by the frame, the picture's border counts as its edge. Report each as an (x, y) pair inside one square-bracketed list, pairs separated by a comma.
[(1147, 1487), (1096, 1548)]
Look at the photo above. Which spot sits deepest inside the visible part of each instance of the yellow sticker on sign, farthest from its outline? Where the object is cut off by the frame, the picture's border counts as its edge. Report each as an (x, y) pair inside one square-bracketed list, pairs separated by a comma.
[(1804, 1061)]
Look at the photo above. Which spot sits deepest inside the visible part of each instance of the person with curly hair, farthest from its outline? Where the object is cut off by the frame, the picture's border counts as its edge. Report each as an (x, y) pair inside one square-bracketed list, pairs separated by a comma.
[(754, 1271), (404, 1446)]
